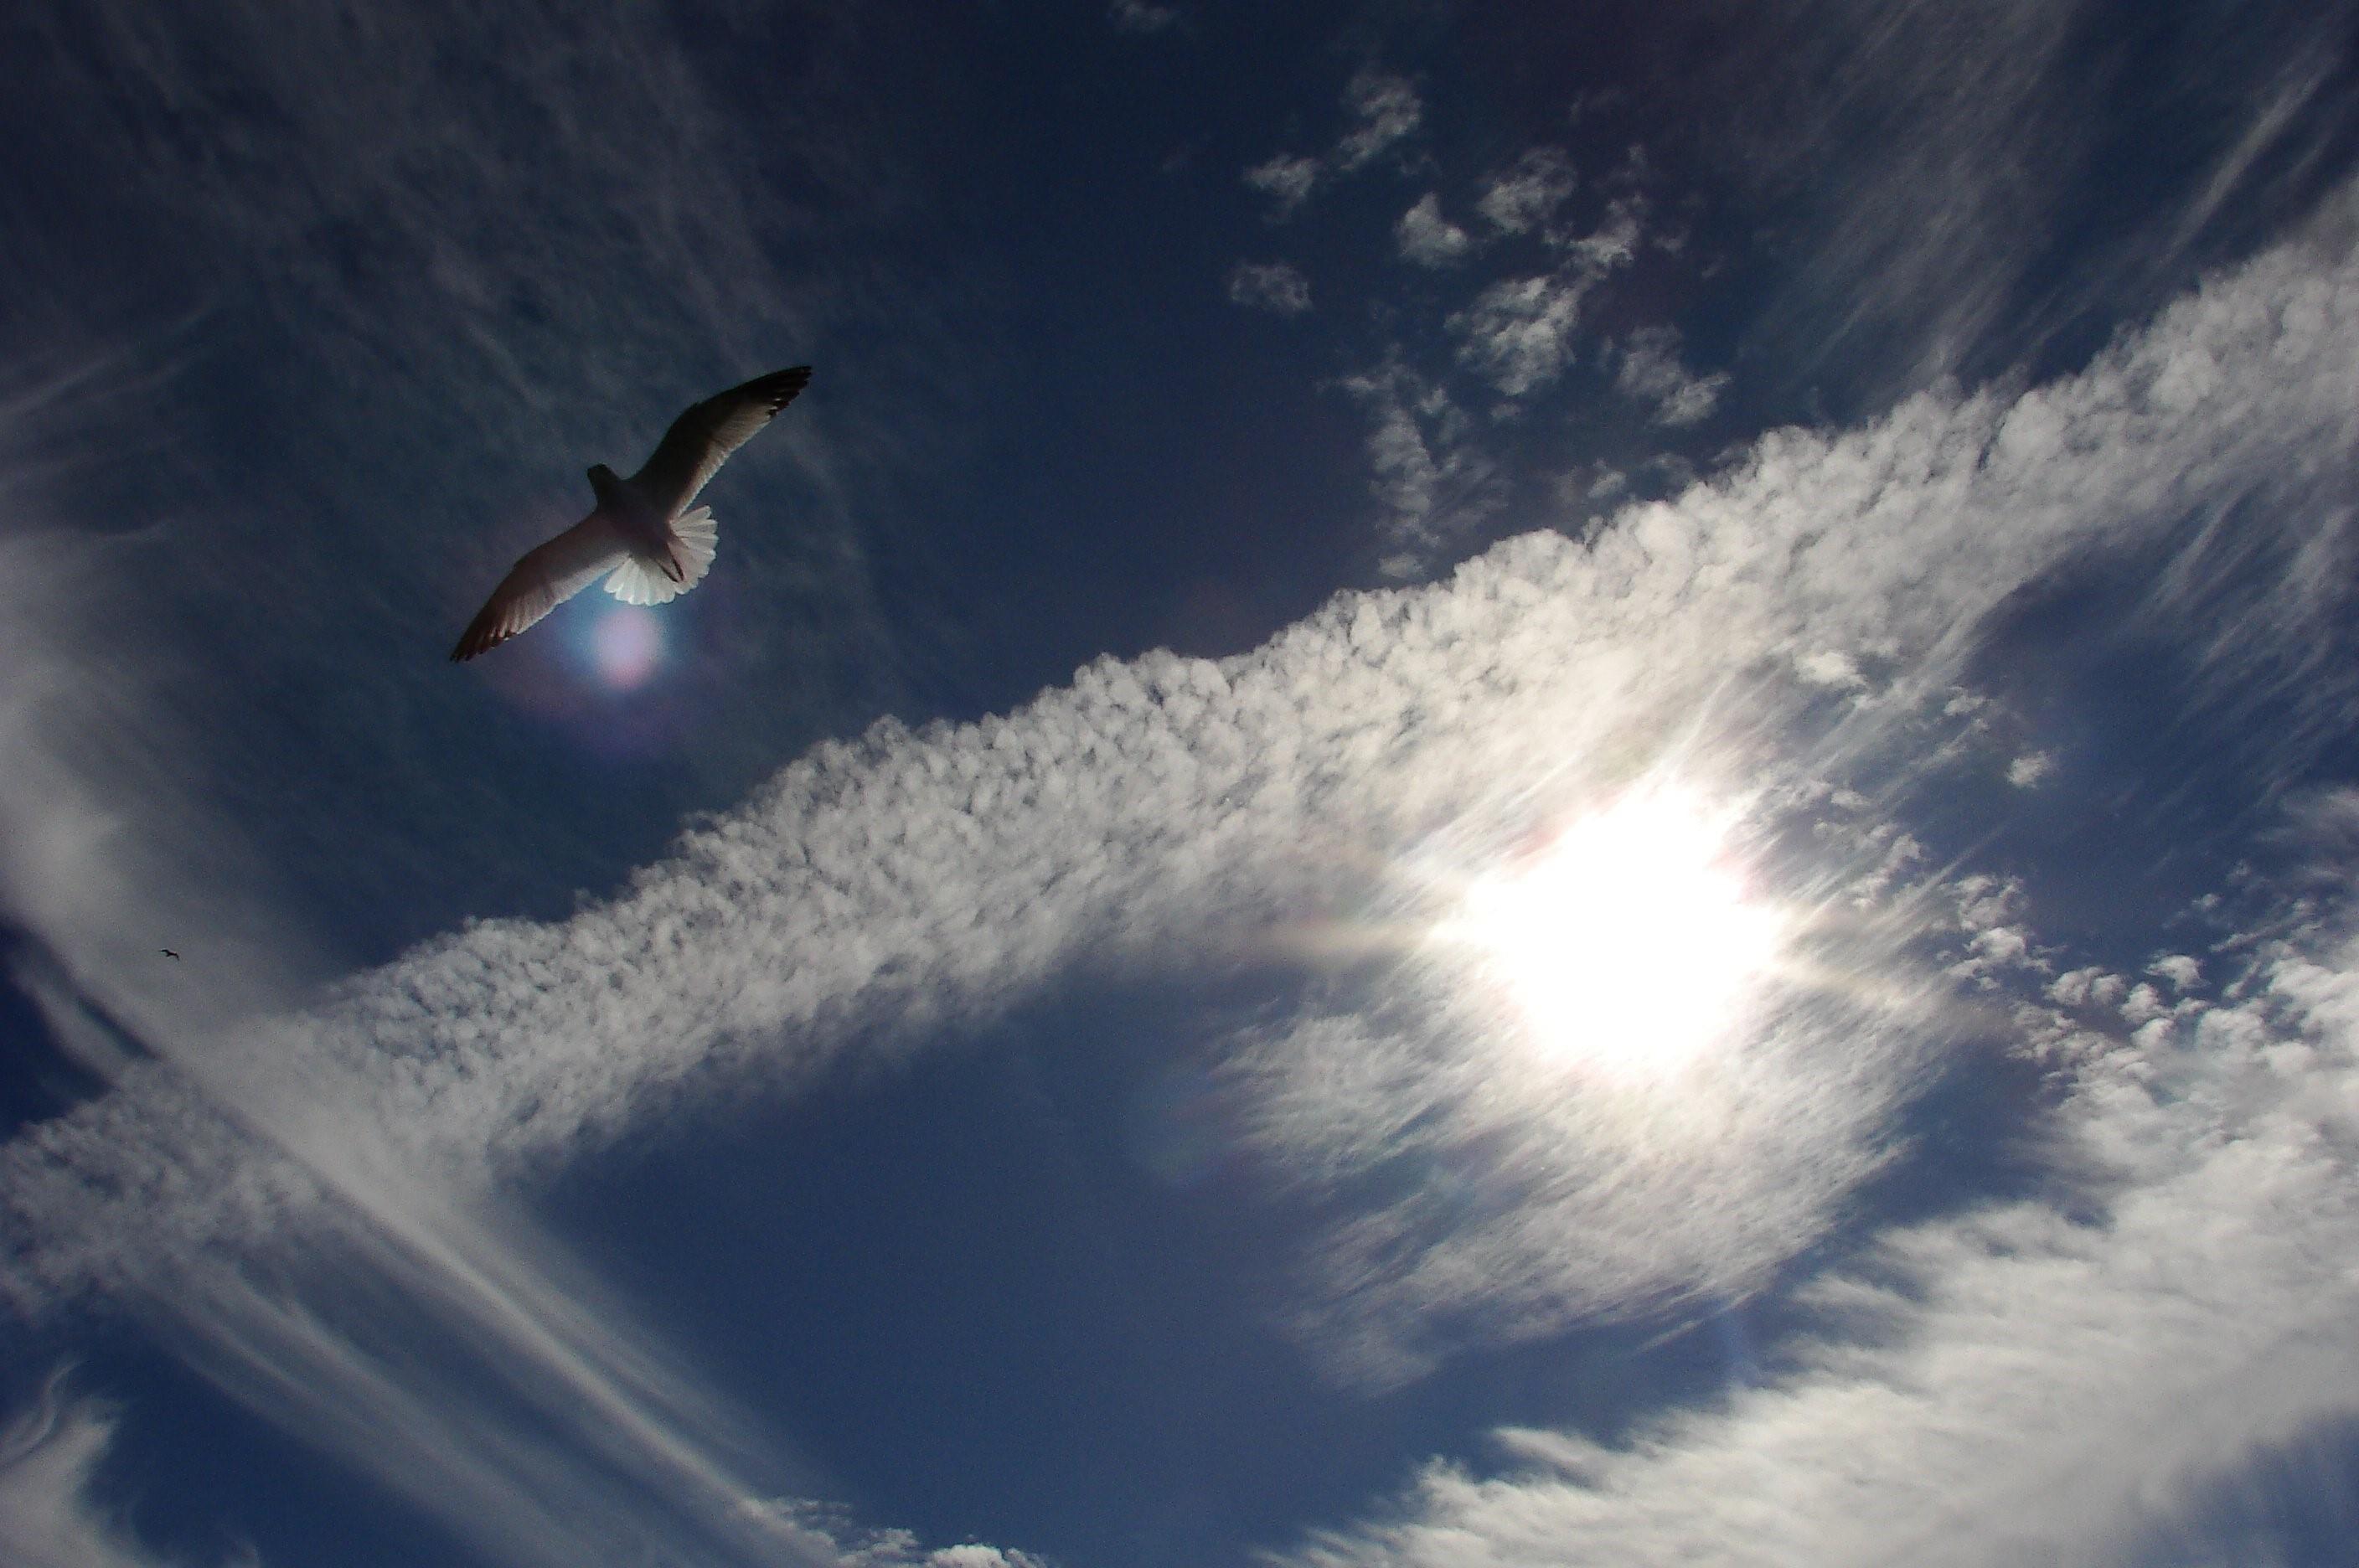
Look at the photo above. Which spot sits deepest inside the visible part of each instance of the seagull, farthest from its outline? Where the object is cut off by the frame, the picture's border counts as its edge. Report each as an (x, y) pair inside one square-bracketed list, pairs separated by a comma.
[(640, 538), (167, 952)]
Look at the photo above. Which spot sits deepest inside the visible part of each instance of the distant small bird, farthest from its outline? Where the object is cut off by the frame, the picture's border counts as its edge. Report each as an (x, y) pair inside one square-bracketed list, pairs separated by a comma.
[(167, 952), (640, 537)]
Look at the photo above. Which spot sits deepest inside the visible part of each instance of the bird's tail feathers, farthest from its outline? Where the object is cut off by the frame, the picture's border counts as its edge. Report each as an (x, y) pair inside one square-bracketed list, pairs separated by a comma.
[(694, 537)]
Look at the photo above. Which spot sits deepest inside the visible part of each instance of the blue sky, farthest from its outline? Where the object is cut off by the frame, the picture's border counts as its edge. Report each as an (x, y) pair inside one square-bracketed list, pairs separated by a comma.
[(1479, 785)]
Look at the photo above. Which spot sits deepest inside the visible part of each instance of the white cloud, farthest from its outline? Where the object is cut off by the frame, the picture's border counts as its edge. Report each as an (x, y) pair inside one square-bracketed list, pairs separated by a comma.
[(1518, 332), (1285, 179), (1527, 196), (1433, 482), (1426, 237), (1271, 285), (2031, 770), (1387, 109), (436, 1342), (1651, 372), (856, 1548), (1830, 668)]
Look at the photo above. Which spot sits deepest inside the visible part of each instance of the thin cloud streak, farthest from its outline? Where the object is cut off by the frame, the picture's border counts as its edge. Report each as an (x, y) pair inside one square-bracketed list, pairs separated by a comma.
[(1917, 145)]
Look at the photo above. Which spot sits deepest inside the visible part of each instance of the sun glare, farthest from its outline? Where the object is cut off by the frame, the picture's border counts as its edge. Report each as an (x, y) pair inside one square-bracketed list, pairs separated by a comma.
[(1627, 943), (625, 646)]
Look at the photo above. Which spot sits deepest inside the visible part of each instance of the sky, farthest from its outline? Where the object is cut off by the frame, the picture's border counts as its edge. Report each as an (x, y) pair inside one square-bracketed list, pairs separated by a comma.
[(1479, 786)]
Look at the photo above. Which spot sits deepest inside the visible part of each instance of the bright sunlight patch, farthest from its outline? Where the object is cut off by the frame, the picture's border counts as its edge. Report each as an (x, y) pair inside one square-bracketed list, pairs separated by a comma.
[(1626, 941)]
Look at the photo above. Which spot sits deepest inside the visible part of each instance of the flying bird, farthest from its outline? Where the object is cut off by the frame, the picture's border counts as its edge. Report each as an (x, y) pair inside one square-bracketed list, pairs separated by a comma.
[(640, 537), (167, 952)]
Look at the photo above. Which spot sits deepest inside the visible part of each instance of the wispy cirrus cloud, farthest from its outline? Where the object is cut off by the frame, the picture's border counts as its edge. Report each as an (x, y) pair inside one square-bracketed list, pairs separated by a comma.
[(1917, 153), (1286, 180), (1526, 196), (1649, 370), (1428, 238), (1385, 111), (1432, 477), (1519, 334), (49, 1517), (1388, 111), (1273, 286)]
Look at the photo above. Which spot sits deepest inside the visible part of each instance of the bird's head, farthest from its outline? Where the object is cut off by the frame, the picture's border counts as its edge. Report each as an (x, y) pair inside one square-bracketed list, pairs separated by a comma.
[(603, 483)]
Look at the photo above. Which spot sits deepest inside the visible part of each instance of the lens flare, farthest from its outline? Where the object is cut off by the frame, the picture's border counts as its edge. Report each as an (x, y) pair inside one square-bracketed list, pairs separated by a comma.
[(1627, 943), (625, 646)]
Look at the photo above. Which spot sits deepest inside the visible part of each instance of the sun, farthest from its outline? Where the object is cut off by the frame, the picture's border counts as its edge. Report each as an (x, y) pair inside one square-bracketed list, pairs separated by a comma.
[(1628, 941)]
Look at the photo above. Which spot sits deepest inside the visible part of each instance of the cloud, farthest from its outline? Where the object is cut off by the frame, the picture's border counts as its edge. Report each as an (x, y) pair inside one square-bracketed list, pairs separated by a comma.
[(441, 1346), (1157, 807), (566, 1429), (2031, 770), (1143, 16), (1388, 108), (1650, 372), (1272, 286), (1527, 196), (1615, 242), (434, 1340), (1431, 477), (1518, 332), (1426, 237), (48, 1517), (1534, 1197), (1285, 179), (1912, 156), (857, 1548), (2021, 1381), (895, 889)]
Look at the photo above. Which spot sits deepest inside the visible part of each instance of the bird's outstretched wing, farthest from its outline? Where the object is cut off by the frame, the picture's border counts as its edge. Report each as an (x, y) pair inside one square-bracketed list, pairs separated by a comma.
[(545, 578), (701, 440)]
